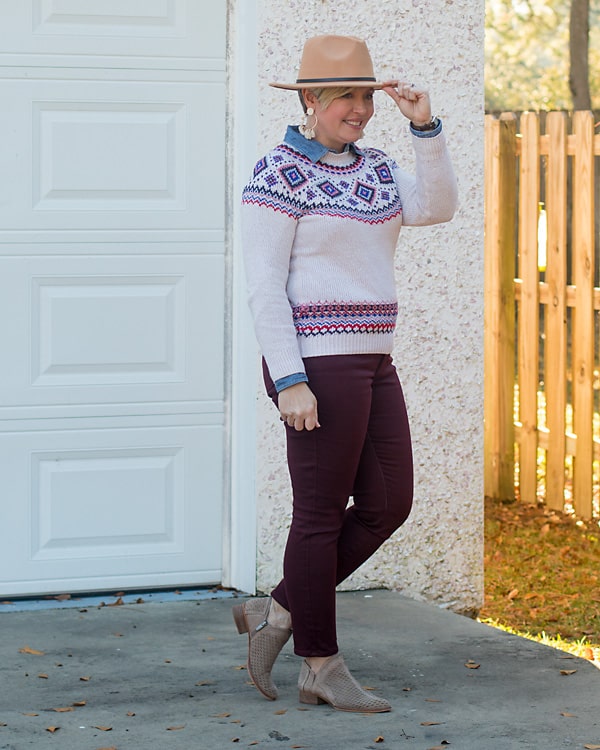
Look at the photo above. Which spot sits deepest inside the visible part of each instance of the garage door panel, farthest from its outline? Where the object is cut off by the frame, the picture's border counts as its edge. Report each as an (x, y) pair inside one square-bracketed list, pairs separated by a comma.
[(111, 504), (128, 329), (93, 155), (163, 28)]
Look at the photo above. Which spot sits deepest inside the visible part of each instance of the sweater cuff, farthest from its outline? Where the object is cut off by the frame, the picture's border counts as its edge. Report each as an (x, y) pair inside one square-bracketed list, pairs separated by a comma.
[(289, 380)]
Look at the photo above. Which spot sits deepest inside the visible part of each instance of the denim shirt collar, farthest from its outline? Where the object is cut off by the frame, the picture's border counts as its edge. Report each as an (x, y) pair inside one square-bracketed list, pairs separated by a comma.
[(311, 149)]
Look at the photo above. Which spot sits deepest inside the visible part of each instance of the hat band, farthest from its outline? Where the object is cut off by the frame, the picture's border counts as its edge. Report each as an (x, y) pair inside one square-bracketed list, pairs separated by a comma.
[(340, 80)]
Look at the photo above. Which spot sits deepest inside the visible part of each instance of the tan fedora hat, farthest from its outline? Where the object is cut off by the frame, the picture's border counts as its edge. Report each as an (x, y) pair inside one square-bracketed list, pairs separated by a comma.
[(330, 60)]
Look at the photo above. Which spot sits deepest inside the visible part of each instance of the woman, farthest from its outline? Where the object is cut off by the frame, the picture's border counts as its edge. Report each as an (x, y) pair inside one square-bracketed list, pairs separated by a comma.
[(321, 218)]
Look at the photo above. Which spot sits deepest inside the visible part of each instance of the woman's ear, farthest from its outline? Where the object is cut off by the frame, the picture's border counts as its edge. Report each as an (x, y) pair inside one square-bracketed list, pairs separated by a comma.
[(309, 98)]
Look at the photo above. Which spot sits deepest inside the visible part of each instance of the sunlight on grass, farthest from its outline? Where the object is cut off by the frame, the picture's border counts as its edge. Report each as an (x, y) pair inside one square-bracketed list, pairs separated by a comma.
[(581, 648)]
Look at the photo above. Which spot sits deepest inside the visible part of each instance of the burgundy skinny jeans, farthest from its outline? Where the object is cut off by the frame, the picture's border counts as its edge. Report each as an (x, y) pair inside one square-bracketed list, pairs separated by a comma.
[(361, 451)]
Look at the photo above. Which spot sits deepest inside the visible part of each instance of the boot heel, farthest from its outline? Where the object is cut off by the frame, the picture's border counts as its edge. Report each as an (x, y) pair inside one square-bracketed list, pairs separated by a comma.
[(240, 620), (310, 698)]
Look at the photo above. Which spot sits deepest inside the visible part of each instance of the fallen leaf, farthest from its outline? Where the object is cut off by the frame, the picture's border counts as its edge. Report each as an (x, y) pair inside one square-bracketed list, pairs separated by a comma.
[(566, 713), (62, 597), (280, 712), (235, 739), (168, 661), (78, 704), (3, 723), (224, 715), (512, 594), (431, 723), (29, 650), (29, 713), (406, 690), (130, 713), (43, 676), (568, 671), (432, 700), (592, 747), (63, 710), (118, 603), (176, 729), (472, 664), (85, 679), (104, 729), (202, 683), (379, 739), (545, 528), (242, 666), (52, 729), (118, 635)]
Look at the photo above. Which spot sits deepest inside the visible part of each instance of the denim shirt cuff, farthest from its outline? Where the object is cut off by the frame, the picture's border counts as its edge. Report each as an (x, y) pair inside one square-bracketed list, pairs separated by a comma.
[(289, 380), (428, 133)]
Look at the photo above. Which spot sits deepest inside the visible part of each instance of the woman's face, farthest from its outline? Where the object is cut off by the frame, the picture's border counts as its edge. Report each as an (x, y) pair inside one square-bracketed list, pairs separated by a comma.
[(344, 119)]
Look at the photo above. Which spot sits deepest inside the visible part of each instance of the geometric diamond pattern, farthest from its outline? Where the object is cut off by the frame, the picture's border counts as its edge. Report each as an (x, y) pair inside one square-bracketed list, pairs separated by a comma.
[(293, 175), (364, 192), (329, 189), (384, 174)]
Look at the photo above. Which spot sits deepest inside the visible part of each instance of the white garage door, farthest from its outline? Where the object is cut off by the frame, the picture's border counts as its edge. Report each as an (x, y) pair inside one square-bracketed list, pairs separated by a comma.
[(112, 159)]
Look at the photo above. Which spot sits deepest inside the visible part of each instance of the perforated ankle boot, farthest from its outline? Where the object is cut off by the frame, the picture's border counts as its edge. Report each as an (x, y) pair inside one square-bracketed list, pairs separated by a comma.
[(264, 642), (334, 684)]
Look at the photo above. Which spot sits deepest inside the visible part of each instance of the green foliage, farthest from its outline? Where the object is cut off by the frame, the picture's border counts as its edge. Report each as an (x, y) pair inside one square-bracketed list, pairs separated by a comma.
[(527, 54)]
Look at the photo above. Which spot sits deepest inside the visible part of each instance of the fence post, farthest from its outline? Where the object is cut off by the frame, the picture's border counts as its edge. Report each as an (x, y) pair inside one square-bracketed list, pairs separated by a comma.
[(499, 315), (555, 355), (529, 305), (583, 323)]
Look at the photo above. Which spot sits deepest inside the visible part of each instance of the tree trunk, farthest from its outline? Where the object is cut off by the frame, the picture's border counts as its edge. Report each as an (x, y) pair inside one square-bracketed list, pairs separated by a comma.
[(579, 34)]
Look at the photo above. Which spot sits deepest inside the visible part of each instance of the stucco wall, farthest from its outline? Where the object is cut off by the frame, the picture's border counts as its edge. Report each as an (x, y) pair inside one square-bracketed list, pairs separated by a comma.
[(438, 554)]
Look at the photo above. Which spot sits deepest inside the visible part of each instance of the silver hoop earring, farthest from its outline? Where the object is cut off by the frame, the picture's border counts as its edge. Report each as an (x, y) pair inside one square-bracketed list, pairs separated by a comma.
[(308, 131)]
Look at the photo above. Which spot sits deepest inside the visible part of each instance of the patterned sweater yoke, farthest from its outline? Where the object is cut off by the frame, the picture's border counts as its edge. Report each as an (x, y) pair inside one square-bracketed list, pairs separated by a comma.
[(319, 239)]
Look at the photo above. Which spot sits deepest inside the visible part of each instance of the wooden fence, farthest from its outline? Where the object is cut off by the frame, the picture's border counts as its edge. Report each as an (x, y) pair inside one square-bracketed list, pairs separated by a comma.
[(541, 311)]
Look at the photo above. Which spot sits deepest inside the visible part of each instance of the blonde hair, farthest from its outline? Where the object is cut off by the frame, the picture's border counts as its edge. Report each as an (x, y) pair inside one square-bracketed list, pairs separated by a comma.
[(326, 95)]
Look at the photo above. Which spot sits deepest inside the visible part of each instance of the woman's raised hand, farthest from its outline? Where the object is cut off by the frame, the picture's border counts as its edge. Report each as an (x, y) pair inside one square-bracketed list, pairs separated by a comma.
[(412, 101), (298, 407)]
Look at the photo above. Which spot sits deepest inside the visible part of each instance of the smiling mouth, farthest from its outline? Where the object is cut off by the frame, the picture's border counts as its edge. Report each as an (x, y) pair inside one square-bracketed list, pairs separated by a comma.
[(354, 123)]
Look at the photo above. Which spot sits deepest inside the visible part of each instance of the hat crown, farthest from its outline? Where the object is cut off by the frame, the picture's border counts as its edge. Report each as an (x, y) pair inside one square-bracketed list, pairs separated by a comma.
[(331, 58)]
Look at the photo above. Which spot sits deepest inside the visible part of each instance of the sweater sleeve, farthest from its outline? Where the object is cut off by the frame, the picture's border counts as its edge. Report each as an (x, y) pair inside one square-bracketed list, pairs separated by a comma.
[(268, 231), (430, 196)]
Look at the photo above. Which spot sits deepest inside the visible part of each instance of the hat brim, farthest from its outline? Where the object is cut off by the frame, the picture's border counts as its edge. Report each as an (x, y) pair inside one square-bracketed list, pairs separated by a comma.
[(362, 84)]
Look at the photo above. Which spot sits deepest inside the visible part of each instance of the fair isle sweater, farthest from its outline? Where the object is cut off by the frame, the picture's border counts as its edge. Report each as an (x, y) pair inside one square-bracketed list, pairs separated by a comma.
[(319, 235)]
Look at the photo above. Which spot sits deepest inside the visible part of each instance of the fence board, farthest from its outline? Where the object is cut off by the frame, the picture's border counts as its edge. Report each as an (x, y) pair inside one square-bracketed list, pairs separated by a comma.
[(555, 359), (499, 271), (583, 323), (528, 313)]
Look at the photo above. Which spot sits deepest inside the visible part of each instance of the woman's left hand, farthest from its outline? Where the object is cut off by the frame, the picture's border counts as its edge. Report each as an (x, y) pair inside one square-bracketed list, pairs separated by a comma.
[(412, 101)]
